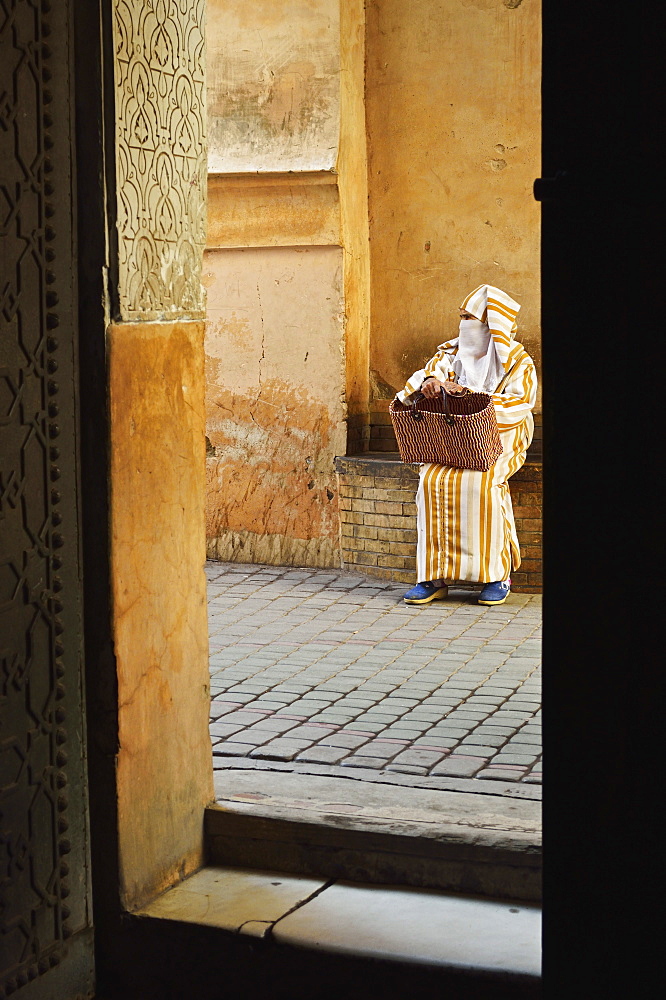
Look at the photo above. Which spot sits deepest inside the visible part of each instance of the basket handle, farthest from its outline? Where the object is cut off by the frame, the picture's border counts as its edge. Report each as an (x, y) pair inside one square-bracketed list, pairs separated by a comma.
[(448, 416)]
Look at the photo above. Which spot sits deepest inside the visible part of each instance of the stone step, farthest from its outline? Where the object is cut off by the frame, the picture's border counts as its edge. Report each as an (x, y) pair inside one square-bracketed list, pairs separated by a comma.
[(258, 933), (460, 838)]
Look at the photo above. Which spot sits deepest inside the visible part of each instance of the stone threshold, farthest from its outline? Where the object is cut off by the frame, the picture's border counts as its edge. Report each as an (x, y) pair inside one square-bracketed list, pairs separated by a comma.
[(472, 841), (522, 789), (316, 937)]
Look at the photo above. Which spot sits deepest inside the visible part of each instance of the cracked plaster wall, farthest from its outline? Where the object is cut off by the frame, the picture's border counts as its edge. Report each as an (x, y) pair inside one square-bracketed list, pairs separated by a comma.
[(275, 411), (273, 270)]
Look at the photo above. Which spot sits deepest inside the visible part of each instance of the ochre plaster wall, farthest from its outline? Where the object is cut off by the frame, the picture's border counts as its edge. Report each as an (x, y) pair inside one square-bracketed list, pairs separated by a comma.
[(352, 172), (157, 444), (164, 769), (273, 84), (273, 210), (453, 115), (445, 96), (275, 412), (286, 192)]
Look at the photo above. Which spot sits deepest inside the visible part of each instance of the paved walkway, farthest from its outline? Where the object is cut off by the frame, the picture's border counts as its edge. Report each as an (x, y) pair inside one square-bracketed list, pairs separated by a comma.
[(324, 671)]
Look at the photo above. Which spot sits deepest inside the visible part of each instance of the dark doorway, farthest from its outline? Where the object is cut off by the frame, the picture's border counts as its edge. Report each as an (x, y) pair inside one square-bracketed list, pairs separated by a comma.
[(596, 669)]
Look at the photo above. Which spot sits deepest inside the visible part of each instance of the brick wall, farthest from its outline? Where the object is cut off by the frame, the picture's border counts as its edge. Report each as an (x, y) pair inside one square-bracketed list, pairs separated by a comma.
[(382, 437), (526, 495), (378, 518)]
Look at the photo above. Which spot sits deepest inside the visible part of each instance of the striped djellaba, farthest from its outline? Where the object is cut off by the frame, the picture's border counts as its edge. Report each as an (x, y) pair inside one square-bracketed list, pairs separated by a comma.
[(466, 529)]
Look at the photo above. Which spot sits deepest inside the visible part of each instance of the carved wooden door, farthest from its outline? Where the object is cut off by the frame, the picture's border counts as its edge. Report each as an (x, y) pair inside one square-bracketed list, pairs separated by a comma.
[(45, 921)]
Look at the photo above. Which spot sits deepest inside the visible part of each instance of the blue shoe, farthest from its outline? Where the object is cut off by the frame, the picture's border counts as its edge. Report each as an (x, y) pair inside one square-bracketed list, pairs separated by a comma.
[(495, 593), (424, 593)]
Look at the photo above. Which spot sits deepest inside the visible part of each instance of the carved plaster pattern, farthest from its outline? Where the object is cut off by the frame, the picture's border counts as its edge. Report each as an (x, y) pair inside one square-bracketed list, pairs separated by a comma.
[(161, 156), (43, 857)]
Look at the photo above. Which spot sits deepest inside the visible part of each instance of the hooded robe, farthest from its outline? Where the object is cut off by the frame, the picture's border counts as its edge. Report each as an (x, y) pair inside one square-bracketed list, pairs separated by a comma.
[(466, 529)]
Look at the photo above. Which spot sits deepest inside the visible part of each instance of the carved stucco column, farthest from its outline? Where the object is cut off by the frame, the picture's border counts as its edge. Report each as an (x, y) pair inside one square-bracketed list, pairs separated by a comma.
[(157, 448)]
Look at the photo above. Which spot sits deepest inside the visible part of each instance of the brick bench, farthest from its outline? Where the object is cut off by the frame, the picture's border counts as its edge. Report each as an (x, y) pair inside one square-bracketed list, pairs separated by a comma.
[(378, 518)]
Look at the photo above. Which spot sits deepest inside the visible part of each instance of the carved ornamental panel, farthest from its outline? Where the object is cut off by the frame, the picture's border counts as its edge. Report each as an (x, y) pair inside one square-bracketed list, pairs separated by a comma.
[(161, 156), (45, 919)]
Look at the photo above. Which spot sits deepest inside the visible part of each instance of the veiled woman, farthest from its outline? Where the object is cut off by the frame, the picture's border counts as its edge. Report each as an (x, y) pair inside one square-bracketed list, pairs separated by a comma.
[(466, 529)]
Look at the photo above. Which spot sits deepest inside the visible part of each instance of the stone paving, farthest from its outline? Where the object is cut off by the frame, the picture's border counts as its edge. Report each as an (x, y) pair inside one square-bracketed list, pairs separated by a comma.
[(332, 670)]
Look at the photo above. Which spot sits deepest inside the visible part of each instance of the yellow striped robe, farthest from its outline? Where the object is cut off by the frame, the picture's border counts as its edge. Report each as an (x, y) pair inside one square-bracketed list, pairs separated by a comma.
[(466, 529)]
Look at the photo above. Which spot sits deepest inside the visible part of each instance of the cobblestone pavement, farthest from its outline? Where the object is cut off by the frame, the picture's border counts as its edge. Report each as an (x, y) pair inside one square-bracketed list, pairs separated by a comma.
[(332, 670)]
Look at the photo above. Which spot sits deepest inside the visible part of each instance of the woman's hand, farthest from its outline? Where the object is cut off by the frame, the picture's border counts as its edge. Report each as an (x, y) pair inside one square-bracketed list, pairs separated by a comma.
[(432, 387)]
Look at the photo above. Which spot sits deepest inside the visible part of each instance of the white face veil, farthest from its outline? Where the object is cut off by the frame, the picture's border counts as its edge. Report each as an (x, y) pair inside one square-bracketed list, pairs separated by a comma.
[(485, 342), (480, 367)]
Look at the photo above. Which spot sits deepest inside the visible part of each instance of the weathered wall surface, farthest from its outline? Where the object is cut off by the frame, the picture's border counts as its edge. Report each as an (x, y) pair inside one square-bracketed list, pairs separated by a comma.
[(453, 113), (445, 96), (352, 170), (159, 601), (157, 445), (283, 298), (275, 412), (273, 84), (273, 210)]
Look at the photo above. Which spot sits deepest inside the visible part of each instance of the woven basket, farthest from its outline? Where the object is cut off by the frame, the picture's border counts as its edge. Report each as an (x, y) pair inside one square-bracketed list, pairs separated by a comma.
[(456, 430)]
